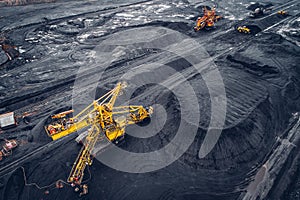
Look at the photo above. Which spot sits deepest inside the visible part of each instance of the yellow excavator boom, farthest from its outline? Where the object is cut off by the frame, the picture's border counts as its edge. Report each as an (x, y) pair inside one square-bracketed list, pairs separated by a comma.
[(105, 121), (84, 157), (57, 129), (73, 128)]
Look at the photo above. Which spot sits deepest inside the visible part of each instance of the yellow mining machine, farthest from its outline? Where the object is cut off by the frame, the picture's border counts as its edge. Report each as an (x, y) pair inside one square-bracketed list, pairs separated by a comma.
[(105, 121), (282, 12), (103, 111), (244, 29)]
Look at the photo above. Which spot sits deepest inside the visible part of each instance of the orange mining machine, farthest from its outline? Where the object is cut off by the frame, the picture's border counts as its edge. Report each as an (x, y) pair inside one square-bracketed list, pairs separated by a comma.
[(208, 19)]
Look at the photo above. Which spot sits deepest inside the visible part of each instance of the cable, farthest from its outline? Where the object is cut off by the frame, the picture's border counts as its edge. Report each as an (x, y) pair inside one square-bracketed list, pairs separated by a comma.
[(40, 187)]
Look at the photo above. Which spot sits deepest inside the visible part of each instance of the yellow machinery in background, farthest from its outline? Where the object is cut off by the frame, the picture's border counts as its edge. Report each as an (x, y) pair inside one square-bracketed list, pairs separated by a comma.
[(244, 29), (104, 120), (282, 12)]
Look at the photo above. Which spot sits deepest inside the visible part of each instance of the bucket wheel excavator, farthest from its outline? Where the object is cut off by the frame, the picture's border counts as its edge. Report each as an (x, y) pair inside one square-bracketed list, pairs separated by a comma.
[(104, 111), (105, 122), (208, 19)]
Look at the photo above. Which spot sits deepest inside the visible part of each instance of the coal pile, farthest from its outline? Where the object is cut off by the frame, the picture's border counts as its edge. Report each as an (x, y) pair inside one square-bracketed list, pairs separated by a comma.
[(51, 42)]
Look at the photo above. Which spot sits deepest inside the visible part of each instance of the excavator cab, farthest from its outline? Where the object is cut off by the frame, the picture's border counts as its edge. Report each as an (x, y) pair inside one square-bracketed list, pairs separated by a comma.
[(200, 24), (59, 122), (210, 23)]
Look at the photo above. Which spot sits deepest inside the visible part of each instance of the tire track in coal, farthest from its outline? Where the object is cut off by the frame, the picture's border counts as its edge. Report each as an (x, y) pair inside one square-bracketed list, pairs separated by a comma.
[(261, 186), (32, 94), (238, 47), (51, 21), (71, 79), (189, 72)]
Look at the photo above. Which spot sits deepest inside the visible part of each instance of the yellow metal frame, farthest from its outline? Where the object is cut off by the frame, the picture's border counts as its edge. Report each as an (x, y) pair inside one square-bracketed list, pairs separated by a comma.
[(84, 157), (101, 115), (82, 119)]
